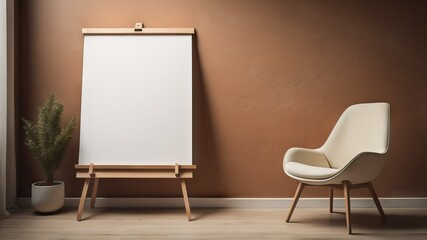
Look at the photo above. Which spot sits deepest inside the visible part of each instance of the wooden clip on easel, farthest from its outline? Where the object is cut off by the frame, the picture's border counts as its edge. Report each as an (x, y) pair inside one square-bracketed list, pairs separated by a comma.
[(138, 27)]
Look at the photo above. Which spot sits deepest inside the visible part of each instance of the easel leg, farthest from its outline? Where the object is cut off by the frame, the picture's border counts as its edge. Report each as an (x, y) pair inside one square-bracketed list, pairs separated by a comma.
[(82, 199), (94, 190), (186, 202)]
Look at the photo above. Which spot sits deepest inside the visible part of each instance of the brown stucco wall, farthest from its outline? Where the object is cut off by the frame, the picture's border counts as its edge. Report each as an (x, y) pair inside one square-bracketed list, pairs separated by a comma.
[(269, 75)]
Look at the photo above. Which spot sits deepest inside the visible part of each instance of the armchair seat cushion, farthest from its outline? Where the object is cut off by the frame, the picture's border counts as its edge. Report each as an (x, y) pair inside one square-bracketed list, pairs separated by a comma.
[(311, 172)]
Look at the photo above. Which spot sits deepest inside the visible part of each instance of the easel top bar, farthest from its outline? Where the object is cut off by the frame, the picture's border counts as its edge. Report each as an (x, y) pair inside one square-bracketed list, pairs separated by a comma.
[(135, 167), (144, 31)]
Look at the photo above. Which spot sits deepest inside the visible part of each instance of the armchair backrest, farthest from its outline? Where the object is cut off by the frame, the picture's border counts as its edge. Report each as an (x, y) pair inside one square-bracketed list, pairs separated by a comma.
[(361, 128)]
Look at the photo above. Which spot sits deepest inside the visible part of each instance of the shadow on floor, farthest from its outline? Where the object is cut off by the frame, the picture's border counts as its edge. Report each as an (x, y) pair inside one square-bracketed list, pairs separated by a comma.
[(363, 221), (197, 214)]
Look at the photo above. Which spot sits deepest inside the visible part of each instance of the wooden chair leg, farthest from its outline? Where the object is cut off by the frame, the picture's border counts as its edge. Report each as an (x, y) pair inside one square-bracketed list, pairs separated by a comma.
[(296, 197), (376, 200), (331, 200), (82, 199), (347, 204), (186, 202), (94, 191)]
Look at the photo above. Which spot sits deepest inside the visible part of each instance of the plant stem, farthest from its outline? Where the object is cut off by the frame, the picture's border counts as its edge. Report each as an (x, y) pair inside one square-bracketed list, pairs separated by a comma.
[(49, 181)]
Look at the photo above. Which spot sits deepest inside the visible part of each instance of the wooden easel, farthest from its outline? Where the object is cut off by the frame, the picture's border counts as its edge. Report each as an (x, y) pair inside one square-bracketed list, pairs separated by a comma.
[(96, 172)]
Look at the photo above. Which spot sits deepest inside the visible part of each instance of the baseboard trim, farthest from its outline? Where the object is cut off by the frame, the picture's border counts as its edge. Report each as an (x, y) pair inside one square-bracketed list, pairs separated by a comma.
[(238, 202)]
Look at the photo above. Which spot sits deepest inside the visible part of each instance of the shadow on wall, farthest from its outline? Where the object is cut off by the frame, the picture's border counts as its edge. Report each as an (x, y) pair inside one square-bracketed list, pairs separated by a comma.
[(207, 178)]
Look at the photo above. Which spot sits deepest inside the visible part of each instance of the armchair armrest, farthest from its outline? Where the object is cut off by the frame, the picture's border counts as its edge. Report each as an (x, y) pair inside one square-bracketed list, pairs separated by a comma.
[(312, 157)]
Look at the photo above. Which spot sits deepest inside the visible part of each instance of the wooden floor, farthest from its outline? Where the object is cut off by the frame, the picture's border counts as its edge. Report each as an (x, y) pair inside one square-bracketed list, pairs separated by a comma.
[(214, 224)]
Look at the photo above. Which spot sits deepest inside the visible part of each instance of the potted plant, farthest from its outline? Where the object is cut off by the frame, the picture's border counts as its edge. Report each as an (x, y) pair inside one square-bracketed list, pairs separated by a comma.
[(47, 141)]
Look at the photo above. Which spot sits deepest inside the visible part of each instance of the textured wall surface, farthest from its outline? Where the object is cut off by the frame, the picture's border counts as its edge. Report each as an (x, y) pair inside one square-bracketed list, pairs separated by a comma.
[(269, 75)]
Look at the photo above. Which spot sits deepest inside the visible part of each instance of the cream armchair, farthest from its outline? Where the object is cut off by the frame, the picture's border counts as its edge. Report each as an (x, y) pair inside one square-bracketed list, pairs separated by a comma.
[(351, 157)]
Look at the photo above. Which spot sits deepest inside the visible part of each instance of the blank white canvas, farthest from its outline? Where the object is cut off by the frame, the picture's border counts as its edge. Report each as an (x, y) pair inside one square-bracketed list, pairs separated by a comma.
[(136, 100)]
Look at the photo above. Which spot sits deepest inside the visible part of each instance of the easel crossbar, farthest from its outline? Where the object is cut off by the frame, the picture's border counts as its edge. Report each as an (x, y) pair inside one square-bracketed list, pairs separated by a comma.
[(132, 167), (143, 31), (134, 171)]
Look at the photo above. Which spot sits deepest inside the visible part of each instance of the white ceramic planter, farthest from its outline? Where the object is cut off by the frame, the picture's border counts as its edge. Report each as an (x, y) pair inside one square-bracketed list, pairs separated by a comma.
[(47, 199)]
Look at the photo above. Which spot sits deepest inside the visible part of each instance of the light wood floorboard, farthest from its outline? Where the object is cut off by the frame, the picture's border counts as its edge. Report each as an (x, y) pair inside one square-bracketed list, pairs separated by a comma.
[(140, 223)]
